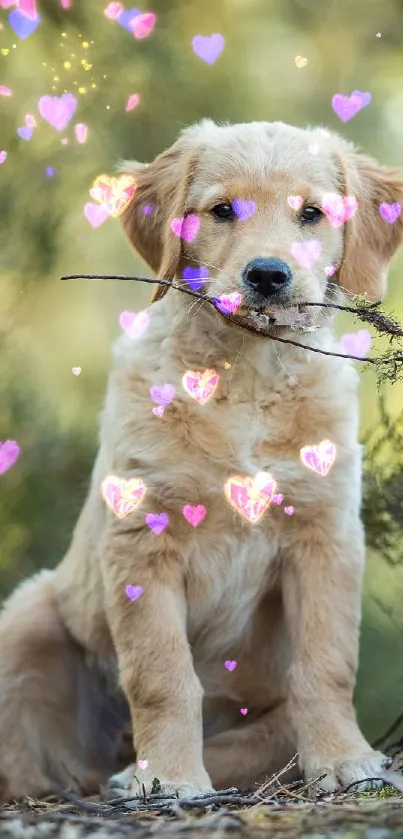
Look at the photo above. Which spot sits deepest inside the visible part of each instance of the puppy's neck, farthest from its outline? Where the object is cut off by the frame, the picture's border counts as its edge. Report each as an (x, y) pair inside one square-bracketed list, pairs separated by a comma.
[(208, 340)]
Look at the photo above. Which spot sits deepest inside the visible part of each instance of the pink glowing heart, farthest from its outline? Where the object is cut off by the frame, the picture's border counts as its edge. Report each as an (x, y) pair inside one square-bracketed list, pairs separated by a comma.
[(27, 8), (289, 511), (134, 592), (194, 515), (228, 303), (158, 411), (113, 10), (200, 384), (208, 48), (3, 157), (306, 253), (244, 711), (143, 764), (338, 209), (390, 212), (9, 452), (186, 228), (76, 370), (157, 522), (134, 323), (57, 110), (346, 107), (95, 214), (251, 497), (356, 343), (277, 499), (132, 101), (319, 458), (330, 270), (81, 131), (230, 665), (121, 495), (142, 25), (294, 201)]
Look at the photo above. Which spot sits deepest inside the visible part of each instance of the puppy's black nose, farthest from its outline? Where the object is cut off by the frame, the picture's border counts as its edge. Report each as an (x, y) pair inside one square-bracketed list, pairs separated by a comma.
[(268, 277)]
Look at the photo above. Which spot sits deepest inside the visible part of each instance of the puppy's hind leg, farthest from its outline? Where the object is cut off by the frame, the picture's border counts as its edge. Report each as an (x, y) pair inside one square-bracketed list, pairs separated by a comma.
[(42, 679)]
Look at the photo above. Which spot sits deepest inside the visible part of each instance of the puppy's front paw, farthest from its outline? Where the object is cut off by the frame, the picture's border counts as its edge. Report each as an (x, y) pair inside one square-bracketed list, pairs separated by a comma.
[(364, 771), (132, 781)]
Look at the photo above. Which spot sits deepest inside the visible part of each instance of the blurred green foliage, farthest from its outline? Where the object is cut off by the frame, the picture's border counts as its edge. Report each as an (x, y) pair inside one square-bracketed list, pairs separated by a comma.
[(48, 327)]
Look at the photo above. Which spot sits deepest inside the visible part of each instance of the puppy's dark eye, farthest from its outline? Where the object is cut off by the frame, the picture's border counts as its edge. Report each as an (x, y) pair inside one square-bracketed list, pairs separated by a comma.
[(223, 212), (310, 215)]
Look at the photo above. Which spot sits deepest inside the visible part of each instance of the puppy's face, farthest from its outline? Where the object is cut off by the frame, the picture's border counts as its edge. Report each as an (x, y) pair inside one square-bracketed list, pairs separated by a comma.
[(281, 215)]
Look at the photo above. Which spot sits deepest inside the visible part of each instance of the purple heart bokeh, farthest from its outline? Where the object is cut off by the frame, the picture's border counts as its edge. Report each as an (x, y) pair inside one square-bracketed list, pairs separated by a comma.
[(346, 107), (243, 209), (162, 394), (125, 18), (57, 110), (9, 452), (390, 212), (134, 592), (25, 132), (22, 25), (95, 214), (157, 522), (208, 48), (195, 277)]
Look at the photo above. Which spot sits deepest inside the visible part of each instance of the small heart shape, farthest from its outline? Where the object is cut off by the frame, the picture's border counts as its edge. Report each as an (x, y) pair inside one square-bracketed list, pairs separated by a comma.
[(162, 394), (390, 212), (122, 496), (3, 157), (142, 25), (347, 107), (294, 201), (195, 277), (278, 499), (143, 764), (200, 384), (76, 370), (25, 132), (22, 25), (319, 458), (81, 131), (134, 592), (300, 61), (356, 343), (230, 665), (134, 323), (95, 214), (186, 228), (306, 253), (244, 711), (208, 48), (251, 496), (158, 411), (57, 110), (113, 10), (9, 452), (115, 194), (243, 209), (228, 303), (157, 522), (194, 515), (339, 209), (289, 511)]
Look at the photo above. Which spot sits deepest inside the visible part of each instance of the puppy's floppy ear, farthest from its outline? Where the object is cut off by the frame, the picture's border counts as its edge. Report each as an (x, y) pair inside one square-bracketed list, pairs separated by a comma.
[(159, 198), (370, 240)]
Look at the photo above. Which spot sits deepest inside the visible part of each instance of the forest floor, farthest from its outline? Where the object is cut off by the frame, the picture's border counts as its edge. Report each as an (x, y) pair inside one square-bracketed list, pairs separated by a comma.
[(274, 810)]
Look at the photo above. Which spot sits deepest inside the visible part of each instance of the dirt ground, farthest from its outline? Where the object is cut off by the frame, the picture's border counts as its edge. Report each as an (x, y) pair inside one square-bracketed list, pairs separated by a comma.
[(282, 813)]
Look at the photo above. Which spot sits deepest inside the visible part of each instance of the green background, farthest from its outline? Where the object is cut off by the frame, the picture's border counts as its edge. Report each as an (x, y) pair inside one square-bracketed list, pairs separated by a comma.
[(47, 327)]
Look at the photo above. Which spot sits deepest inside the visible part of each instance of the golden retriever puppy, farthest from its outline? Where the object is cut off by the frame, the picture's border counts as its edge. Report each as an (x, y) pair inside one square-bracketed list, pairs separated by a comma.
[(221, 615)]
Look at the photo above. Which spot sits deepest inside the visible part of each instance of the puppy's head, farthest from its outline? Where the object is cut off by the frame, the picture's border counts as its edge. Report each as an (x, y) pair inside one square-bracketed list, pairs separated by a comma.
[(278, 214)]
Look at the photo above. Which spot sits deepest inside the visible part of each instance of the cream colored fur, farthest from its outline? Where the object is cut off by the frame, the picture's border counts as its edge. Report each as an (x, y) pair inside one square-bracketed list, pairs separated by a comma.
[(281, 597)]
